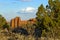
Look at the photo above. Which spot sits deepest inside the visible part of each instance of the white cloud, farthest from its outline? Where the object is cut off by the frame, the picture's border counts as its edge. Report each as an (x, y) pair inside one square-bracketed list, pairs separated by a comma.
[(24, 13), (28, 10)]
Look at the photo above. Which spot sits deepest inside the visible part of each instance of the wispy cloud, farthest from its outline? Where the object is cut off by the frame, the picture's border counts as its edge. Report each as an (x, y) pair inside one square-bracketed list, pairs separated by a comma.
[(27, 10)]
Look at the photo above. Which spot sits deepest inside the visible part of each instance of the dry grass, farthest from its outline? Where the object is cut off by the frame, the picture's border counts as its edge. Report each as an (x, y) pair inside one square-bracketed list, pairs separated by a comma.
[(5, 35)]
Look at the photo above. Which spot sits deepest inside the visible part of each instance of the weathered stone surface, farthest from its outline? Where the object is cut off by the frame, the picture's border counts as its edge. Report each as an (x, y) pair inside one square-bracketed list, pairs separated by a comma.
[(12, 23), (17, 22)]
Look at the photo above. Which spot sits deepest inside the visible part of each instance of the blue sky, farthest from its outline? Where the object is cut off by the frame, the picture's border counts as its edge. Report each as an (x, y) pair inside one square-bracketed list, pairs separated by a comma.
[(25, 9)]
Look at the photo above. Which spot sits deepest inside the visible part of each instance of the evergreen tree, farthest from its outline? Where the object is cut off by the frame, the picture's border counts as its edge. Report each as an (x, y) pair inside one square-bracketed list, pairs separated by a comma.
[(55, 15), (2, 21), (48, 18)]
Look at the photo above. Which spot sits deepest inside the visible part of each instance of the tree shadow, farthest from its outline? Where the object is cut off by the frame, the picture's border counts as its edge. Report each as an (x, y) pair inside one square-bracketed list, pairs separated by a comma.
[(20, 30), (37, 33)]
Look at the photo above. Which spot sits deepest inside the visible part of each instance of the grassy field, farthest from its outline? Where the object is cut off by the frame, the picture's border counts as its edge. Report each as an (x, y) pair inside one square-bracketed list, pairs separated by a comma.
[(5, 35)]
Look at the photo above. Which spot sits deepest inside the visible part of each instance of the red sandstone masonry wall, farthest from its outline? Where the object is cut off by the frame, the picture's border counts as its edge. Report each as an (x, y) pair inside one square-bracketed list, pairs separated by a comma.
[(17, 22)]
